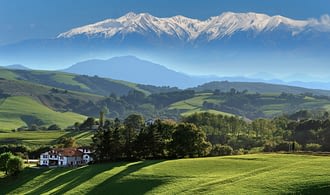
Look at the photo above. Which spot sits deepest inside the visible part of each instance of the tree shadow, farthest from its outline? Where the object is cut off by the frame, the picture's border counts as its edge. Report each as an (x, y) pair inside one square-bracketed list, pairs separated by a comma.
[(10, 183), (135, 185), (314, 189), (74, 177)]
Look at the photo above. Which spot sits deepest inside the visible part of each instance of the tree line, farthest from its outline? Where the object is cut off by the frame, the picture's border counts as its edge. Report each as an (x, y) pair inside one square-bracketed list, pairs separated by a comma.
[(135, 138), (207, 134)]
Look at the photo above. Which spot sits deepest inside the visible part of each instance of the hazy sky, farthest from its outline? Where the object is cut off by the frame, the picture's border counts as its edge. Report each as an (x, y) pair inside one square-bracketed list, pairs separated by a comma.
[(32, 19)]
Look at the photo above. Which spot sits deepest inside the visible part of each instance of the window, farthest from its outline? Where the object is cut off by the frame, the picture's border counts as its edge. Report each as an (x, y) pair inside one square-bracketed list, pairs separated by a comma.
[(44, 156), (55, 156), (86, 156)]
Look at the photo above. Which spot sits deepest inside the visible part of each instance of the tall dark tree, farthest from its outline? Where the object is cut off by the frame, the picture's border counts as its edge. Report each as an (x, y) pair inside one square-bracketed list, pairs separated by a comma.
[(133, 124)]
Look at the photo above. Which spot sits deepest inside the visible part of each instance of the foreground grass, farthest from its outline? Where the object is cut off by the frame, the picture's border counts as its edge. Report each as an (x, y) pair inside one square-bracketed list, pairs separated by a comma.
[(248, 174)]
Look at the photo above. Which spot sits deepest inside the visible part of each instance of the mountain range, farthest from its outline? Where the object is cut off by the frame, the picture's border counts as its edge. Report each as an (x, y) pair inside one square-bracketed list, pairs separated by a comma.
[(125, 68), (149, 73), (188, 30), (221, 45)]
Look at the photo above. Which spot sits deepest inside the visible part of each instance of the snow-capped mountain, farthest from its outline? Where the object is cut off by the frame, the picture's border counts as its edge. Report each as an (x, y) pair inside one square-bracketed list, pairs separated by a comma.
[(231, 43), (187, 29)]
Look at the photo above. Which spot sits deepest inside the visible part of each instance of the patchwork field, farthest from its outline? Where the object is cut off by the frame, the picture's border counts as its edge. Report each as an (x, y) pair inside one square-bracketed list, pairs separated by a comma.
[(245, 174)]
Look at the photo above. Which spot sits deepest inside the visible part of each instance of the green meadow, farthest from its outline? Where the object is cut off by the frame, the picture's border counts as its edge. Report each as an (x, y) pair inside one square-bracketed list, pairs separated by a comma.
[(13, 110), (39, 138), (244, 174)]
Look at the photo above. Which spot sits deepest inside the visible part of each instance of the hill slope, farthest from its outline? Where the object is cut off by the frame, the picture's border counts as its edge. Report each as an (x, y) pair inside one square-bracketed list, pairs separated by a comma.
[(22, 111), (257, 87), (258, 173)]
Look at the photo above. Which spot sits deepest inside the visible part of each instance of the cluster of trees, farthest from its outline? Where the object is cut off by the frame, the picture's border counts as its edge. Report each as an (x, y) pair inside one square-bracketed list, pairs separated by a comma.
[(10, 164), (136, 139), (297, 131), (206, 134)]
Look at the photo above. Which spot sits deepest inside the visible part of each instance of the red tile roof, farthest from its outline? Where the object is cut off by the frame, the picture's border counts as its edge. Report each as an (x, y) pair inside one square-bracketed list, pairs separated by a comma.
[(66, 152)]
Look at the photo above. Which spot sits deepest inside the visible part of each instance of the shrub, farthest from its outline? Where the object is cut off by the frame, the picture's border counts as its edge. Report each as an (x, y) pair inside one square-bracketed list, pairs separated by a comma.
[(313, 147), (221, 150), (288, 146), (14, 165), (4, 157)]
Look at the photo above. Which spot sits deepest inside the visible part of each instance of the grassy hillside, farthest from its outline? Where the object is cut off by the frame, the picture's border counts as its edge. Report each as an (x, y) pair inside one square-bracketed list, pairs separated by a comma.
[(22, 110), (81, 83), (38, 138), (249, 105), (248, 174), (258, 88)]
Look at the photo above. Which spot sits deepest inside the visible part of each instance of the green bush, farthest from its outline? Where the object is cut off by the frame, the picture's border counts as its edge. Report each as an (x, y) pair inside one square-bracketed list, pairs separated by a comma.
[(15, 165), (4, 157), (313, 147), (221, 150), (287, 146)]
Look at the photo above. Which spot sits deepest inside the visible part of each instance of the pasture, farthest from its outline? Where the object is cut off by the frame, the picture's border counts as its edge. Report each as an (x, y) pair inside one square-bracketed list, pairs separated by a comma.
[(244, 174)]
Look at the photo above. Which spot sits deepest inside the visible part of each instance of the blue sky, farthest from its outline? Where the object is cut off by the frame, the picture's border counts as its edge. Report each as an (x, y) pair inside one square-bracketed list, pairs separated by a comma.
[(34, 19)]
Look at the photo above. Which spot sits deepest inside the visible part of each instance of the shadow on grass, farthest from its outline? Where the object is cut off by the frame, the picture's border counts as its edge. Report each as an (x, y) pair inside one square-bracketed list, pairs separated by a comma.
[(65, 179), (73, 177), (9, 183), (135, 185), (315, 189)]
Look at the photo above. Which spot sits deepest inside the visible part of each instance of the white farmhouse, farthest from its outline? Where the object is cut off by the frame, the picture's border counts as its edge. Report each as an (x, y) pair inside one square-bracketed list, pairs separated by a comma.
[(66, 157)]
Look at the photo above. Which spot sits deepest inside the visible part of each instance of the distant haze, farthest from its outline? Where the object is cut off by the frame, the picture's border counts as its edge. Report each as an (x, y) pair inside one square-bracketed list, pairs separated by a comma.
[(230, 44)]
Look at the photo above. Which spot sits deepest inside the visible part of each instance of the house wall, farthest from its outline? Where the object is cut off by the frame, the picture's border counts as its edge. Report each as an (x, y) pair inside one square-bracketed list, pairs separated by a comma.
[(62, 161), (44, 159), (74, 160), (87, 158)]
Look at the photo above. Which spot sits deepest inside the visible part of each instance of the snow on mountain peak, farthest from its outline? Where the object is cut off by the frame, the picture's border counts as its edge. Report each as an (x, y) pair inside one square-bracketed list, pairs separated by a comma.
[(188, 29)]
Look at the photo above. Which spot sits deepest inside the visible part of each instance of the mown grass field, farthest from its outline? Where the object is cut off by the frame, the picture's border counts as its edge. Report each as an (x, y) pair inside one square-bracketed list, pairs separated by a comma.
[(39, 138), (245, 174), (13, 109)]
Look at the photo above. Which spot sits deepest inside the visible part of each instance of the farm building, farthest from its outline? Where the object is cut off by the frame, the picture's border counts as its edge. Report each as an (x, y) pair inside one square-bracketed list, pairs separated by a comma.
[(66, 157)]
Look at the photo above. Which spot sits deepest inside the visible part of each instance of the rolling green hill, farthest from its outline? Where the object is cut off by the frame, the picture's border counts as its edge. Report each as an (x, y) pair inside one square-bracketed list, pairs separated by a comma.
[(250, 105), (43, 138), (67, 81), (256, 87), (22, 110), (60, 93), (244, 174)]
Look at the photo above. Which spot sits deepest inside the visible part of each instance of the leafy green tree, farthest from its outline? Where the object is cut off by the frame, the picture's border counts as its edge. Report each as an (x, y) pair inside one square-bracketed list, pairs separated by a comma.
[(4, 157), (87, 124), (15, 165), (188, 140)]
